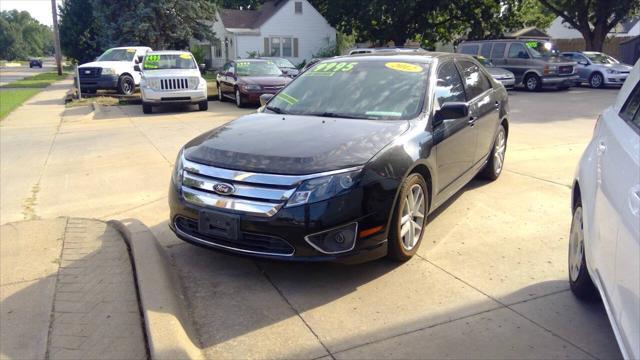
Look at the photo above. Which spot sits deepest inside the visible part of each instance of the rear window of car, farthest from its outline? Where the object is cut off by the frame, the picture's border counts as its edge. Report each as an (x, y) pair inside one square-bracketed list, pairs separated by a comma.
[(498, 51), (469, 49), (168, 61)]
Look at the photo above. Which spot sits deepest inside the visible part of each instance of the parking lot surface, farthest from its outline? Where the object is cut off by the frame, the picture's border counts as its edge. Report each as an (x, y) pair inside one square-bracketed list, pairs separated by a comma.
[(490, 280)]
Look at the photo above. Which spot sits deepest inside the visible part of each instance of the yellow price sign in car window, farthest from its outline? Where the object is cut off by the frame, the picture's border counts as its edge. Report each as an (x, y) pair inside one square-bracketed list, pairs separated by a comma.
[(152, 61), (131, 50), (405, 67), (185, 56), (331, 68)]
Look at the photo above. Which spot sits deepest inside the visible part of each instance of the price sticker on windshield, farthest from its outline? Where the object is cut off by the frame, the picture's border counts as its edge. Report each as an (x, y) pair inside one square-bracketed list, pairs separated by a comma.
[(185, 56), (331, 68), (131, 50), (242, 64), (404, 67), (152, 61)]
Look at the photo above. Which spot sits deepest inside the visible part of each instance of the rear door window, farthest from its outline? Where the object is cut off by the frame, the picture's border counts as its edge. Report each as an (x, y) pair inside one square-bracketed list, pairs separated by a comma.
[(469, 49), (498, 51), (630, 108), (475, 81), (449, 87), (517, 51), (485, 50)]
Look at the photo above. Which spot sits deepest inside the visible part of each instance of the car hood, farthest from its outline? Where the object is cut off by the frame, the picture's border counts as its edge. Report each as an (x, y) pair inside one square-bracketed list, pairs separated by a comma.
[(265, 80), (292, 144), (106, 64), (499, 72), (149, 74)]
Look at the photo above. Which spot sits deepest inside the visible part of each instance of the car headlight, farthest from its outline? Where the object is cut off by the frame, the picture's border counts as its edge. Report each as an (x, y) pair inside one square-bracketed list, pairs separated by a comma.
[(323, 188), (612, 71), (252, 87), (108, 71), (176, 175)]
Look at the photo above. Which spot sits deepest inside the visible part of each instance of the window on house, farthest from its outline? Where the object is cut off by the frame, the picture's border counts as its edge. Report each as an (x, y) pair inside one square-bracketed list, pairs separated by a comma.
[(275, 47), (287, 47), (217, 51), (281, 46), (298, 6)]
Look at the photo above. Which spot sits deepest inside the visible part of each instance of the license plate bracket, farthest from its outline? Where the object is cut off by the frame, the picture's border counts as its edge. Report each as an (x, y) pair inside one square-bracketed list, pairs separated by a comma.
[(219, 225)]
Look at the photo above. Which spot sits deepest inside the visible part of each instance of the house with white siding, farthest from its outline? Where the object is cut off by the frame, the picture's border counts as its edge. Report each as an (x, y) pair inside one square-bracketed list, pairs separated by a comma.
[(292, 29)]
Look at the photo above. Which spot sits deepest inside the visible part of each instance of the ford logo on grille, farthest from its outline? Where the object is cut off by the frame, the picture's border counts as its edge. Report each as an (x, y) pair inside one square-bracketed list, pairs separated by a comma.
[(224, 189)]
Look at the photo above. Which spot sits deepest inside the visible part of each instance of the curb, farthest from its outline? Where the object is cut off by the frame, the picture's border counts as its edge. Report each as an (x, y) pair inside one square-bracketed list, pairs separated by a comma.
[(170, 333)]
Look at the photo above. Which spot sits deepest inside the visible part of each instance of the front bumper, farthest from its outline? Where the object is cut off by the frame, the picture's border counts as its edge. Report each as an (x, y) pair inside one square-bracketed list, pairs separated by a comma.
[(254, 96), (508, 83), (102, 82), (615, 79), (560, 80), (173, 96), (285, 231)]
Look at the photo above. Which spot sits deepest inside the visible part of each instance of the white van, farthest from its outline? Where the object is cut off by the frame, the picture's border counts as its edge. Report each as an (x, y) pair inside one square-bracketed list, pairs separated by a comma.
[(113, 70)]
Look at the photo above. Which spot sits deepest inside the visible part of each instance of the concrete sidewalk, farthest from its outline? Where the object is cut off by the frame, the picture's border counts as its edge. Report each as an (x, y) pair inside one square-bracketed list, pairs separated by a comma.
[(67, 291)]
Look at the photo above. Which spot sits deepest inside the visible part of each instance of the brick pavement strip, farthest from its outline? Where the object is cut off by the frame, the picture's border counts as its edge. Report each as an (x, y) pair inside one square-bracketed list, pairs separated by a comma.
[(95, 308)]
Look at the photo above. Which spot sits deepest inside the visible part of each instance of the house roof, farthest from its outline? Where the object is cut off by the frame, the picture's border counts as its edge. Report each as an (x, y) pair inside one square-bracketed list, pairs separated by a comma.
[(250, 19), (627, 25), (528, 32)]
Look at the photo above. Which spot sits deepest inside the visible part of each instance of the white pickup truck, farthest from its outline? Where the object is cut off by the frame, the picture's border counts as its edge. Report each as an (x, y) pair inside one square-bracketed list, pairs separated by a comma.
[(113, 70)]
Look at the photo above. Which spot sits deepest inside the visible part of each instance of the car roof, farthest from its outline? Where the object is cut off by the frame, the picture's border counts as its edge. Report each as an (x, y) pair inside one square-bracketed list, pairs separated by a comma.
[(501, 40), (168, 52), (418, 56), (250, 60), (132, 47)]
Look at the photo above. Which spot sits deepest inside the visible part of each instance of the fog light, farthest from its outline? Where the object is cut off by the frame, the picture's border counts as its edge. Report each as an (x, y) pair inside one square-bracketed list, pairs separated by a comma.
[(334, 241)]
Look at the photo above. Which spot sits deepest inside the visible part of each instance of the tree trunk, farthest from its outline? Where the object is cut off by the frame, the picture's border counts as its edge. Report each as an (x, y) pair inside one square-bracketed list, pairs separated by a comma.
[(594, 40)]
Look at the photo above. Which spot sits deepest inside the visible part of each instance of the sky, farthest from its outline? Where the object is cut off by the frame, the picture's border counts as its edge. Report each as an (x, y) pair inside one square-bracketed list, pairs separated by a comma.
[(39, 9)]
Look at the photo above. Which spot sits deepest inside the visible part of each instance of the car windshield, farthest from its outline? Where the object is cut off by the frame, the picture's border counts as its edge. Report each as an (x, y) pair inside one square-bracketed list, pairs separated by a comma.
[(282, 63), (169, 61), (600, 58), (118, 55), (257, 68), (540, 49), (484, 61), (369, 89)]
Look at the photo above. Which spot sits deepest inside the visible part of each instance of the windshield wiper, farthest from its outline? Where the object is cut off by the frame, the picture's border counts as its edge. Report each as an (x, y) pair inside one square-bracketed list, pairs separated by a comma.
[(275, 109), (336, 115)]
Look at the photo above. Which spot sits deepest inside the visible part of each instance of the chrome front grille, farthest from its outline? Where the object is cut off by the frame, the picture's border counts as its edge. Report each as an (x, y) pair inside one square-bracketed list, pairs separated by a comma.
[(174, 84), (253, 193)]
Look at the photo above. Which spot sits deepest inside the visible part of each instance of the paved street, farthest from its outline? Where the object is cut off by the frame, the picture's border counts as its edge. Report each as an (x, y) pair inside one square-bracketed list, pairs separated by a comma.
[(489, 281), (11, 74)]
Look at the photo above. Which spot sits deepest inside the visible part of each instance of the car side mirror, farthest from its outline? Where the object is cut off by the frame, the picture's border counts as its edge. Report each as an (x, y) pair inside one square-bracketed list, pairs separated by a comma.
[(136, 67), (264, 99), (450, 110), (202, 68), (139, 59)]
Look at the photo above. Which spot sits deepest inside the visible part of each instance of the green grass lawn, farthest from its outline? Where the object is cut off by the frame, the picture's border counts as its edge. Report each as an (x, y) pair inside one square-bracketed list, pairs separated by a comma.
[(37, 81), (11, 99)]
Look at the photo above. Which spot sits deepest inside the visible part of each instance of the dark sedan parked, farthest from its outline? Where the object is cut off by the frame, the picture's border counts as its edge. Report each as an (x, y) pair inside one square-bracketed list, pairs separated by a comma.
[(284, 65), (346, 162), (35, 63), (245, 80)]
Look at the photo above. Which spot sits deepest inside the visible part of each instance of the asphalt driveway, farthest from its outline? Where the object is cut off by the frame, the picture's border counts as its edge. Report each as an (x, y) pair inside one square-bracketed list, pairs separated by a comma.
[(489, 281)]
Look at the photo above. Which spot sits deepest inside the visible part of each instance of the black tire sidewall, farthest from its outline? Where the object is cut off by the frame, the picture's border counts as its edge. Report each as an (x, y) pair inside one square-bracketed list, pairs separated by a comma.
[(395, 249), (122, 80), (526, 81)]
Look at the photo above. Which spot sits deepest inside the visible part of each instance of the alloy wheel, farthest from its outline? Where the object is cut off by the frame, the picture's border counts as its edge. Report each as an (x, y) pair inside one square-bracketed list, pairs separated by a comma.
[(413, 217), (499, 151), (576, 245), (596, 80), (127, 86), (238, 99), (532, 83)]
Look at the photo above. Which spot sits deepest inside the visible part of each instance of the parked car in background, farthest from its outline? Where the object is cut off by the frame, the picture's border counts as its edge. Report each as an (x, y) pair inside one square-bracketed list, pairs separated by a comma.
[(604, 243), (171, 77), (245, 80), (35, 63), (284, 65), (310, 64), (346, 162), (598, 69), (503, 76), (533, 62), (113, 70)]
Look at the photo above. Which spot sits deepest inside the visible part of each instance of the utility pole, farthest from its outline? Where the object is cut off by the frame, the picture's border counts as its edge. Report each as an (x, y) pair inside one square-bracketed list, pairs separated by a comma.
[(56, 36)]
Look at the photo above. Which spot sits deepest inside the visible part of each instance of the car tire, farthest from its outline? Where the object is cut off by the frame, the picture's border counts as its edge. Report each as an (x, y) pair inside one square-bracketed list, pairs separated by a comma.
[(203, 105), (220, 96), (239, 101), (147, 108), (596, 80), (532, 82), (410, 216), (126, 85), (495, 163), (579, 279)]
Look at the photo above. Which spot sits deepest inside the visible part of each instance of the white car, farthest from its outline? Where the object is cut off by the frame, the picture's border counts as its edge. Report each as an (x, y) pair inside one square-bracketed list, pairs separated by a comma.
[(172, 77), (604, 244), (113, 70)]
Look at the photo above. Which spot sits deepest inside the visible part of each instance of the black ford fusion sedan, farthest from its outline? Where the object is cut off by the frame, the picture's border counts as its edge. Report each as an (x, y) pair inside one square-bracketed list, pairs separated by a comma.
[(345, 163)]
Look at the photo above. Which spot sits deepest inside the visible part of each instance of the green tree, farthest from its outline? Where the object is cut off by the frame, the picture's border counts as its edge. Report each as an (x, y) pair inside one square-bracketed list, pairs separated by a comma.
[(239, 4), (79, 31), (593, 18), (22, 36)]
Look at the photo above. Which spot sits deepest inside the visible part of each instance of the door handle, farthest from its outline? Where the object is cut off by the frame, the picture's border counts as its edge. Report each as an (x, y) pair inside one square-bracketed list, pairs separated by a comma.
[(602, 147), (634, 200), (472, 120), (497, 105)]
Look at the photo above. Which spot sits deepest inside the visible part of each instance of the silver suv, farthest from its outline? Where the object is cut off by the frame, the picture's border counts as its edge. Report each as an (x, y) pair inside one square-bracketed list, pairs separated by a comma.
[(533, 62)]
